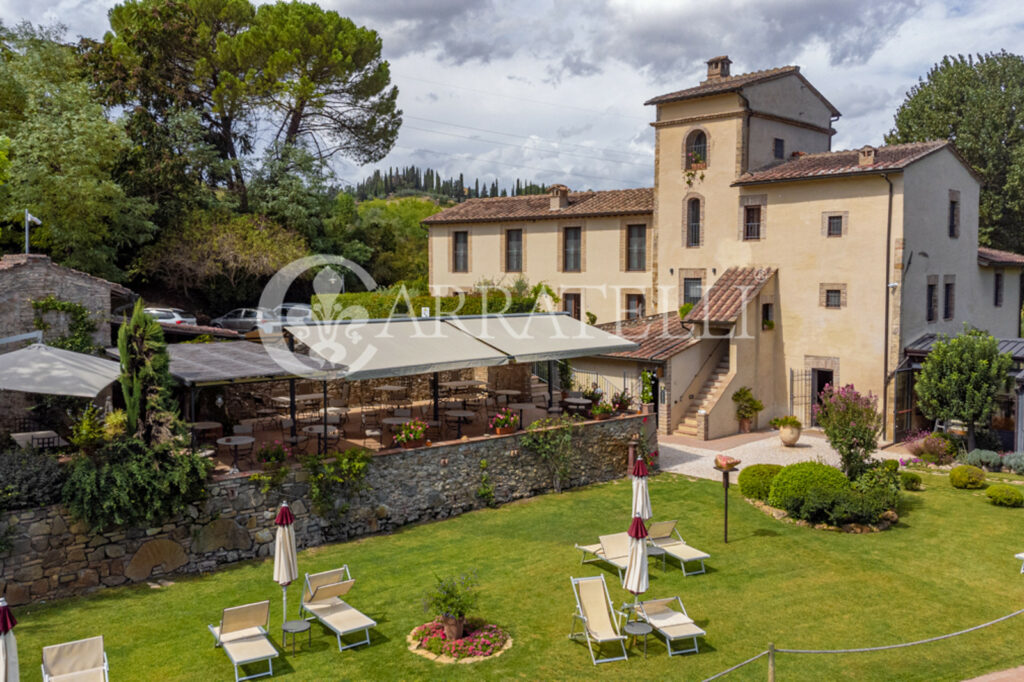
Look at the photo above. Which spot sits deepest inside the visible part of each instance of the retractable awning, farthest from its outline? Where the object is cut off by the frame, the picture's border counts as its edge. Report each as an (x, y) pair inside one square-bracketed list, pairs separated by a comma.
[(227, 362), (54, 371), (540, 337)]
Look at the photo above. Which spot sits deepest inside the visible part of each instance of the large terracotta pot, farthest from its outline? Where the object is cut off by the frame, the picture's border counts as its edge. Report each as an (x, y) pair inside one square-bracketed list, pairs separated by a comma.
[(418, 443), (789, 435), (453, 627), (744, 426)]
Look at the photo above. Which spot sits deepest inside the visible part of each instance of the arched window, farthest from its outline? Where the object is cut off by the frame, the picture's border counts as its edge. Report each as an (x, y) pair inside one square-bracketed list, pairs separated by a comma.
[(696, 151), (693, 222)]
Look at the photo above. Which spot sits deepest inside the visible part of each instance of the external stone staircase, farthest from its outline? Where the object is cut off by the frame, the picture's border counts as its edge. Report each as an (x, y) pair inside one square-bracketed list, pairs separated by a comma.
[(704, 399)]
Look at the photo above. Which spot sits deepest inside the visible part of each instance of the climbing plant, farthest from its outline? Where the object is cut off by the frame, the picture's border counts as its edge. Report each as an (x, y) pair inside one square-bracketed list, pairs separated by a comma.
[(81, 325), (551, 440), (329, 480)]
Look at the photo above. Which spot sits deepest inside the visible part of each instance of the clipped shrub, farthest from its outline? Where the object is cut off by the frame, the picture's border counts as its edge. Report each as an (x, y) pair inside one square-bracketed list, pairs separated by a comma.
[(858, 506), (910, 481), (1003, 495), (891, 464), (967, 477), (939, 448), (29, 479), (984, 458), (756, 481), (882, 483), (791, 486), (1014, 462), (789, 421)]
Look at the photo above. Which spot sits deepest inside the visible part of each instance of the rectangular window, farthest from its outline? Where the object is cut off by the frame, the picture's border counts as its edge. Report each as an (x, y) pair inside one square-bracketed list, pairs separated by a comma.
[(835, 226), (514, 251), (636, 246), (780, 148), (933, 302), (949, 289), (692, 289), (634, 306), (571, 304), (767, 316), (460, 252), (571, 246), (954, 218), (833, 298), (751, 222), (998, 290)]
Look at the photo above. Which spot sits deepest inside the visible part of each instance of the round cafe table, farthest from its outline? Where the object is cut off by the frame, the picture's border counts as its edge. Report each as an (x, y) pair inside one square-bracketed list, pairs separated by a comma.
[(578, 404), (234, 442), (196, 428), (506, 393), (461, 414), (321, 434), (521, 407)]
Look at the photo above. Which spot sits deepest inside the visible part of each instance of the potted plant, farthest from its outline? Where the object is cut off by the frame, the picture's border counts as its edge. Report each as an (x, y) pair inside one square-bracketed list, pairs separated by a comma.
[(789, 429), (593, 394), (564, 377), (647, 390), (412, 434), (622, 401), (747, 407), (602, 411), (768, 325), (451, 599), (272, 454), (505, 422)]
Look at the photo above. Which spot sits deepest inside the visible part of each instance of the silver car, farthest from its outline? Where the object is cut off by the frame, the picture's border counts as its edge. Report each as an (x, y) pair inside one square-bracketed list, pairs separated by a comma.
[(243, 319), (294, 312), (170, 315)]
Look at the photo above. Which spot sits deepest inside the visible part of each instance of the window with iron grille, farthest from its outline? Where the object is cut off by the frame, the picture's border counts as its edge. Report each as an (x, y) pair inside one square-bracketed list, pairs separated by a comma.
[(693, 289), (636, 247), (460, 252), (634, 306), (954, 218), (932, 309), (998, 286), (947, 303), (833, 298), (835, 226), (697, 150), (780, 148), (571, 304), (751, 222), (693, 222), (571, 248), (514, 251)]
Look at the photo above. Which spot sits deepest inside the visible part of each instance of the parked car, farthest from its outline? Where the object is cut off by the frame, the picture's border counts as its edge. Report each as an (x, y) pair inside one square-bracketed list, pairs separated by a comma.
[(243, 319), (294, 312), (170, 315)]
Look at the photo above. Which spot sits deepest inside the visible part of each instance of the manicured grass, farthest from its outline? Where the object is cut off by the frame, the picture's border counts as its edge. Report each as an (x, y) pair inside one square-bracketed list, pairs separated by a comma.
[(947, 566)]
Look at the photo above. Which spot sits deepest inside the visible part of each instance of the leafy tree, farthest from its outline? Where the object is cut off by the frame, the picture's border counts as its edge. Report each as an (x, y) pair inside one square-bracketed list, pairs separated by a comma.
[(852, 425), (960, 378), (396, 239), (978, 104), (292, 189), (145, 378)]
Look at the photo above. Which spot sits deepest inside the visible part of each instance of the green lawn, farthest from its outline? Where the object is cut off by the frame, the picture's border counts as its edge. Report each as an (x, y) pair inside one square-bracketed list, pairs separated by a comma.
[(947, 566)]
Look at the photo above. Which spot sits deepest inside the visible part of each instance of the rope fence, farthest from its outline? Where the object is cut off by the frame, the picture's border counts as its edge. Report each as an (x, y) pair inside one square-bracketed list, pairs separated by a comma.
[(771, 650)]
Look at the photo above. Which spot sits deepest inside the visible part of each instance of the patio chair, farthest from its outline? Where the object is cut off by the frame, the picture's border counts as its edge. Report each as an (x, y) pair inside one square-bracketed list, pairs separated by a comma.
[(600, 621), (371, 426), (613, 549), (298, 442), (321, 598), (1021, 557), (665, 536), (77, 661), (242, 430), (668, 618), (242, 634)]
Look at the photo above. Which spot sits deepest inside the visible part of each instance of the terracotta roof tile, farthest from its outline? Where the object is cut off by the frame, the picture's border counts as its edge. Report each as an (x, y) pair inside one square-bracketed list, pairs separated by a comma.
[(989, 256), (13, 260), (722, 85), (658, 337), (723, 302), (538, 207), (840, 163)]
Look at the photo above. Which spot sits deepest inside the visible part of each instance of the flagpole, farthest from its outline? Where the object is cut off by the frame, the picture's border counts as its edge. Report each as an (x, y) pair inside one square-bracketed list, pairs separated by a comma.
[(26, 230)]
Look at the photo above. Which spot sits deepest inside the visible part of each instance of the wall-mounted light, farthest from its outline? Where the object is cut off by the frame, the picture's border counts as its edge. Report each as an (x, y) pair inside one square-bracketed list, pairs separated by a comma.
[(893, 285), (219, 402)]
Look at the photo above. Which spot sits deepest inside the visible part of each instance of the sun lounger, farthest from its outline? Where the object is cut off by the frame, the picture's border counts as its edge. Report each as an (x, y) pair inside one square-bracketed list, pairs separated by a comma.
[(1021, 557), (80, 661), (242, 634), (665, 536), (668, 618), (613, 549), (600, 621), (321, 598)]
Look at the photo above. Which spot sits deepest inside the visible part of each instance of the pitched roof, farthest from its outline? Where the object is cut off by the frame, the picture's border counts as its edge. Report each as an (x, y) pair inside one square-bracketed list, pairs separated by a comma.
[(14, 260), (718, 86), (538, 207), (724, 300), (658, 337), (841, 163), (989, 256)]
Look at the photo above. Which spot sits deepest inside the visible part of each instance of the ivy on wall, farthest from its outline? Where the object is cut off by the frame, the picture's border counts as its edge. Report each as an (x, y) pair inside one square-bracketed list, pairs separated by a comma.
[(81, 325)]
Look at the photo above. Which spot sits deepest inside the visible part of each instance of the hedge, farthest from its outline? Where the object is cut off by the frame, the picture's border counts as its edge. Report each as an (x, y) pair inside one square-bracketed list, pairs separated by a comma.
[(382, 304), (795, 481), (756, 481), (1003, 495)]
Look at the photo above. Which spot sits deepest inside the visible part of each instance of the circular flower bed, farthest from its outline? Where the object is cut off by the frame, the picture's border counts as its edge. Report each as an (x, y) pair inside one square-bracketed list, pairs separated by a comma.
[(479, 641)]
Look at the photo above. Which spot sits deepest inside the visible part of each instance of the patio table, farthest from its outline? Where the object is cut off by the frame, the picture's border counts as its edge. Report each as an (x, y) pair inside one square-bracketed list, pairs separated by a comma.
[(234, 442), (196, 428), (24, 440), (321, 432), (506, 393), (301, 398), (521, 407), (462, 383), (461, 414), (578, 404)]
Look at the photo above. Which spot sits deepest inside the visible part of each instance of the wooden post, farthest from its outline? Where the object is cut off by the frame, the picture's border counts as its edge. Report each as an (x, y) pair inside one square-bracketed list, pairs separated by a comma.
[(771, 662)]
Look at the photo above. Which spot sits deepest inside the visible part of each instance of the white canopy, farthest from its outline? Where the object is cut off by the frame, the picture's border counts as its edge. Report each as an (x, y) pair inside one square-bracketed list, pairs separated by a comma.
[(535, 338), (43, 369)]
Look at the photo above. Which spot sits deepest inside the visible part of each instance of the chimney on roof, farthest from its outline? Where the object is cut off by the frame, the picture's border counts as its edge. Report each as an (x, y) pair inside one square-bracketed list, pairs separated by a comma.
[(559, 197), (866, 156), (718, 68)]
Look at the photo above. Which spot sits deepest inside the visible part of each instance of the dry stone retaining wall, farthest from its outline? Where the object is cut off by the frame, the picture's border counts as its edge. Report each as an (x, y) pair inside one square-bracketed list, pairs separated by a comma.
[(53, 556)]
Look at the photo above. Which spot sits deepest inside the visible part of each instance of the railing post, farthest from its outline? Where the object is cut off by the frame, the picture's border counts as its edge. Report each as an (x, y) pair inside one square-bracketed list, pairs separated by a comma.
[(771, 662)]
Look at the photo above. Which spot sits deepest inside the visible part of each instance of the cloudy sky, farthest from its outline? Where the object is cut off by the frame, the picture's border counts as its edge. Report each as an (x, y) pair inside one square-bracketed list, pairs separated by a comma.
[(554, 91)]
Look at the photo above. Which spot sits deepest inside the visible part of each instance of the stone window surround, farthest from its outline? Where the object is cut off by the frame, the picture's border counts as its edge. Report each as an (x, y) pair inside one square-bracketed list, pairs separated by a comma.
[(825, 215), (624, 225), (686, 220), (561, 247), (753, 200), (823, 290), (686, 145), (627, 292), (953, 231), (812, 362), (469, 251), (692, 273), (948, 297), (578, 292), (504, 249)]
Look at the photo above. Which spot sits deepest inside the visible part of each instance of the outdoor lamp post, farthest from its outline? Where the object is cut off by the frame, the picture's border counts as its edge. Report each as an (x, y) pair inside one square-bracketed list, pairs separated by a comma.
[(726, 471)]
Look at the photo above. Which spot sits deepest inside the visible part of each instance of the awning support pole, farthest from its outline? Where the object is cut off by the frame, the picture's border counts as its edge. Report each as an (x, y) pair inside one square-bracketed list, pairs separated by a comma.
[(324, 439), (434, 391), (551, 383), (291, 394)]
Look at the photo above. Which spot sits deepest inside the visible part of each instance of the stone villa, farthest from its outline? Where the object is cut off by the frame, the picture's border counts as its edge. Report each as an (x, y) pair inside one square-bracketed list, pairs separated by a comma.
[(800, 266)]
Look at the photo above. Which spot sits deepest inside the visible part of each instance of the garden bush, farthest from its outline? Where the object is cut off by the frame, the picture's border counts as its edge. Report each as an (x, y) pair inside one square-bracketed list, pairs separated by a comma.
[(1003, 495), (940, 448), (852, 425), (858, 506), (792, 485), (1015, 462), (882, 483), (29, 479), (756, 481), (910, 481), (984, 458), (966, 476)]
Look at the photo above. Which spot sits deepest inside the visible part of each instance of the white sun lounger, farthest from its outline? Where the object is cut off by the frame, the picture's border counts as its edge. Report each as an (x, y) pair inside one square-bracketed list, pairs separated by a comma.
[(600, 620), (80, 661), (613, 549), (321, 598), (242, 634), (668, 618), (665, 536)]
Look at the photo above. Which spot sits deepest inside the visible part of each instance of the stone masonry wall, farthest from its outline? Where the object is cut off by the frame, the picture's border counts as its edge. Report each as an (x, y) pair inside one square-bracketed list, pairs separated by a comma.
[(53, 556)]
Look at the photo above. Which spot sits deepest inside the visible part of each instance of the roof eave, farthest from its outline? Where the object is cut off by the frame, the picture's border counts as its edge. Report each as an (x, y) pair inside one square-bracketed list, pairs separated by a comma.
[(555, 216), (827, 176)]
